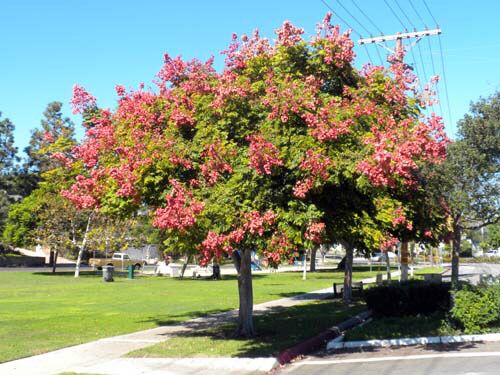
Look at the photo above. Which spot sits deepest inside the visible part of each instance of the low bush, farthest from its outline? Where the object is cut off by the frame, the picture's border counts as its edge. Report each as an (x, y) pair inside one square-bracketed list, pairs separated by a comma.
[(408, 298), (477, 309)]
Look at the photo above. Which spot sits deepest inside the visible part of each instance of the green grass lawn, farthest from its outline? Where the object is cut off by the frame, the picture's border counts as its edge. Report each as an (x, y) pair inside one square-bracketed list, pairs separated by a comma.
[(277, 330), (426, 270), (402, 327), (43, 312)]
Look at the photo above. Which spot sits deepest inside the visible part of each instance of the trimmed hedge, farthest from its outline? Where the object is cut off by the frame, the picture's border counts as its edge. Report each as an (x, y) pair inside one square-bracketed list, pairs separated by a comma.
[(408, 298)]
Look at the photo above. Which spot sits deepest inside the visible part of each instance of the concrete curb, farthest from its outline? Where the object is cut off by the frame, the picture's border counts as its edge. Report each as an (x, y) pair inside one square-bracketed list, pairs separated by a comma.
[(412, 341), (318, 341), (133, 366)]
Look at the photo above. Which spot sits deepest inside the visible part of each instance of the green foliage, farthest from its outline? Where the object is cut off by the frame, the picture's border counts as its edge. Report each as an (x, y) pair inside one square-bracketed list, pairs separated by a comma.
[(466, 249), (493, 240), (23, 219), (468, 179), (477, 308), (408, 298)]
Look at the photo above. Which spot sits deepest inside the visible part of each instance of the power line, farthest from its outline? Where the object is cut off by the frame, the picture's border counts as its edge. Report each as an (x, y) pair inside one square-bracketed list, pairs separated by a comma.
[(434, 70), (416, 66), (340, 18), (444, 79), (379, 57), (404, 14), (395, 14), (354, 30), (417, 13), (354, 18), (428, 10), (368, 53), (368, 18)]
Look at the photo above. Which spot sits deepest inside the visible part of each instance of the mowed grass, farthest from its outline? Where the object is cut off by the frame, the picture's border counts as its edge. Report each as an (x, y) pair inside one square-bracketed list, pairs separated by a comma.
[(403, 327), (278, 330), (43, 312)]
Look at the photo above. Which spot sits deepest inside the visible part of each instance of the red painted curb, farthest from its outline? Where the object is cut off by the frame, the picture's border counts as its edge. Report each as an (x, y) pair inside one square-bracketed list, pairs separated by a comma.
[(319, 341)]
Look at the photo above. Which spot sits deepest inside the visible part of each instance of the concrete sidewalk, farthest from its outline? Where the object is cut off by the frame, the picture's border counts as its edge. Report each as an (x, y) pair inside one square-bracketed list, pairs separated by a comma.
[(101, 352)]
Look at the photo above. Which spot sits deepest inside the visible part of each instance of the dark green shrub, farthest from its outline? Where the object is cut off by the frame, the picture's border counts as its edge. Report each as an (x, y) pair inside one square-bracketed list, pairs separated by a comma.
[(408, 298), (476, 309)]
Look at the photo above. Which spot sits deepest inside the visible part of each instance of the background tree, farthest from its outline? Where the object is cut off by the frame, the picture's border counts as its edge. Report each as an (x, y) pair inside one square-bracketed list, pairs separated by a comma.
[(468, 180), (8, 158), (288, 147), (53, 126)]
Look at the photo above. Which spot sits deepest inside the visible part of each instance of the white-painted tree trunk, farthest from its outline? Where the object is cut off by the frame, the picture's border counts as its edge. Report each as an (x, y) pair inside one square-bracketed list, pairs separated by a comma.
[(82, 247)]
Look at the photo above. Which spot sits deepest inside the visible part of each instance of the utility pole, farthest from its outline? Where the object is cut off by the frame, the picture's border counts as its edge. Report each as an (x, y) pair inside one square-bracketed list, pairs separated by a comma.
[(398, 37)]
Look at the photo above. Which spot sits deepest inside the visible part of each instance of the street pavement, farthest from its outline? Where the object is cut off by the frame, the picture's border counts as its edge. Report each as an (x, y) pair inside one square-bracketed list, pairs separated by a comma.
[(473, 271), (463, 359)]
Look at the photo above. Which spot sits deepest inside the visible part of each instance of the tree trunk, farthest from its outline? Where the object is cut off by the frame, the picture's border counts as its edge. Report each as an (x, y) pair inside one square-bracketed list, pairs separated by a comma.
[(82, 248), (184, 266), (404, 261), (455, 255), (312, 263), (242, 263), (51, 258), (56, 254), (388, 265), (349, 254)]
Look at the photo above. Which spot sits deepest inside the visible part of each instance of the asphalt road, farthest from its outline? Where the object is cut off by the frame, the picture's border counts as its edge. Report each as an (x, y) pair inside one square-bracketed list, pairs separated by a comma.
[(473, 359), (472, 272)]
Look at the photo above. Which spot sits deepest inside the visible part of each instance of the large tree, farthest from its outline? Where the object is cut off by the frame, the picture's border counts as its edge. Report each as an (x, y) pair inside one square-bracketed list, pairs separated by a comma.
[(288, 147), (468, 180)]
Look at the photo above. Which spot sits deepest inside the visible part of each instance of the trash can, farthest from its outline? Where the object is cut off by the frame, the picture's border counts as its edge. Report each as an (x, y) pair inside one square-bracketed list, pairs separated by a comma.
[(130, 270), (107, 273)]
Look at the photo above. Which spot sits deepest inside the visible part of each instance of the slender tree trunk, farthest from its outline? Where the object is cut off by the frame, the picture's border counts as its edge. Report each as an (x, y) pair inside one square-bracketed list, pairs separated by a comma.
[(404, 261), (82, 247), (184, 266), (54, 264), (388, 265), (349, 255), (455, 254), (242, 263), (312, 263)]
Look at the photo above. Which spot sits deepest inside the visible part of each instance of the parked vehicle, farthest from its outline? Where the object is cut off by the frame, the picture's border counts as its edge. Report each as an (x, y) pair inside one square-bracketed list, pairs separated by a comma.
[(492, 253), (118, 260), (381, 256)]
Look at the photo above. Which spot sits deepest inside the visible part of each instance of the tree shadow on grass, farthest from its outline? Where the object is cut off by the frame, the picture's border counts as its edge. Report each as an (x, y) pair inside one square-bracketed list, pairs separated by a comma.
[(191, 319), (278, 329)]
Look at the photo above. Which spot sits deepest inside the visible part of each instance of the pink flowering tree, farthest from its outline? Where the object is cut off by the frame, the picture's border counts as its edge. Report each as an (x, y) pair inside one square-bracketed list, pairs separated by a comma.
[(287, 148)]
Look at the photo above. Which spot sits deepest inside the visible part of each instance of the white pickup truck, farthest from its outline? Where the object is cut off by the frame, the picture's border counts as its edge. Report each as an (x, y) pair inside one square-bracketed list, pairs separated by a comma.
[(118, 260)]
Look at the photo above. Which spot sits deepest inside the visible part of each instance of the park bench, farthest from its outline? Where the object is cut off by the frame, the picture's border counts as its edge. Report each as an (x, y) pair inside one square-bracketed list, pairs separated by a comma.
[(338, 289)]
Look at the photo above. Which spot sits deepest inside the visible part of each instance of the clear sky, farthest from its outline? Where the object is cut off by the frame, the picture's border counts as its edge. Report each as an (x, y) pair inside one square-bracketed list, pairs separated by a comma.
[(47, 46)]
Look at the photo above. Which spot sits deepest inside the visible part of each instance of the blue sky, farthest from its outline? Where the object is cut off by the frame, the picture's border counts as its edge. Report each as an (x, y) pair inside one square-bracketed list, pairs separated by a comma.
[(47, 46)]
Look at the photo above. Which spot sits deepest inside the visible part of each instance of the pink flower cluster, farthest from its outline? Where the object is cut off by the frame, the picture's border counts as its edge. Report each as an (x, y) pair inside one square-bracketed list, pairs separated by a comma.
[(317, 166), (263, 155), (81, 100), (289, 35), (278, 247), (388, 242), (338, 47), (180, 211), (256, 222), (83, 192), (215, 164), (314, 232)]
